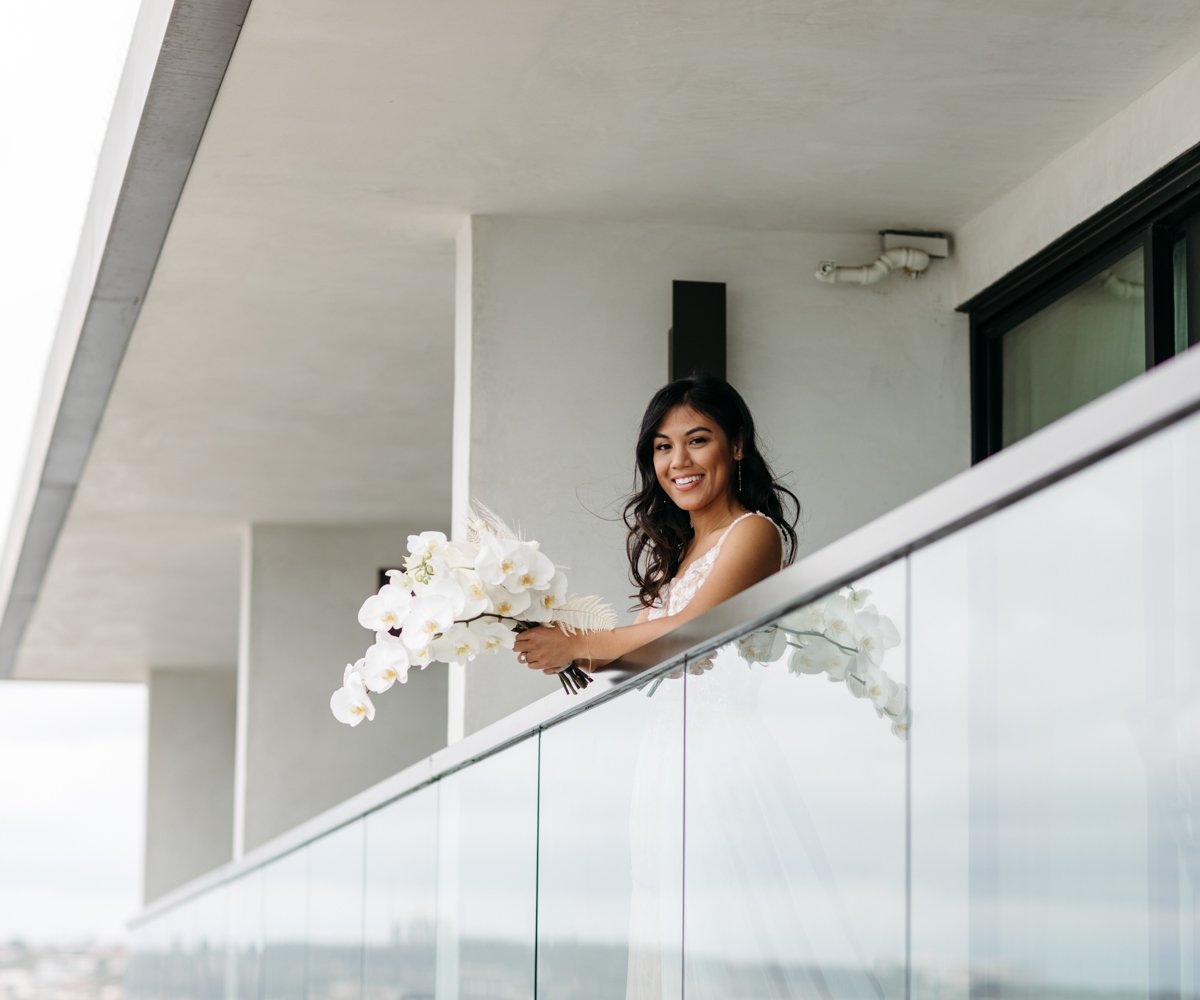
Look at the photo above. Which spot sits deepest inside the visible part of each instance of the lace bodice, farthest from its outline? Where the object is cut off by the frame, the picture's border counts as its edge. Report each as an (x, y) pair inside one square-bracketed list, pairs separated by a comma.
[(678, 593)]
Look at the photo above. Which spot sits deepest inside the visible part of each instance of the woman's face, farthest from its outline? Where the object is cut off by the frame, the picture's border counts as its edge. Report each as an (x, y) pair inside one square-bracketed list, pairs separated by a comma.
[(692, 459)]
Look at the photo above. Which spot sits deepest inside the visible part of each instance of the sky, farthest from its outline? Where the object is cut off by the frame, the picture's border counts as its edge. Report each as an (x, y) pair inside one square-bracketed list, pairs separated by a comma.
[(72, 756), (72, 776)]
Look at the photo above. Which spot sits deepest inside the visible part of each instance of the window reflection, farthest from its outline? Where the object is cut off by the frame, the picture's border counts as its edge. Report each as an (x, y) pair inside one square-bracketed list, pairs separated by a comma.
[(1079, 347)]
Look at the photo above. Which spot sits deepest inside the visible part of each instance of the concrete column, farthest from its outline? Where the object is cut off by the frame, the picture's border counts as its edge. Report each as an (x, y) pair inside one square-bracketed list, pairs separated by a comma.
[(561, 339), (189, 780), (302, 588)]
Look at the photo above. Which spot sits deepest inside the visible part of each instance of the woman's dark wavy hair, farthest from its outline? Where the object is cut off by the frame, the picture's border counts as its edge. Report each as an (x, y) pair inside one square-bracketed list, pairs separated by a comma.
[(658, 530)]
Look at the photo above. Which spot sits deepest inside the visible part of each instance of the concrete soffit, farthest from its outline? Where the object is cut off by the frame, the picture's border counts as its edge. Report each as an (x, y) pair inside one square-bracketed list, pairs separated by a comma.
[(196, 48)]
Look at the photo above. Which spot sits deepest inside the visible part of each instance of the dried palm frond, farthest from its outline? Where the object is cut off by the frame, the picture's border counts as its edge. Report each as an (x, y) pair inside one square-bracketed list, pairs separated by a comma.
[(584, 614), (481, 519)]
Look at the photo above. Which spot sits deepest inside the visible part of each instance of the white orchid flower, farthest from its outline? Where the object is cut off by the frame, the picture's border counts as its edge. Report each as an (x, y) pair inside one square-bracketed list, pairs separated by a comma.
[(507, 604), (475, 594), (817, 657), (428, 616), (543, 601), (422, 655), (880, 688), (458, 555), (810, 618), (896, 707), (350, 703), (862, 679), (857, 598), (492, 635), (839, 621), (386, 663), (512, 564), (874, 634), (457, 644), (425, 545), (387, 609), (839, 670), (399, 578), (901, 726), (764, 646), (448, 587)]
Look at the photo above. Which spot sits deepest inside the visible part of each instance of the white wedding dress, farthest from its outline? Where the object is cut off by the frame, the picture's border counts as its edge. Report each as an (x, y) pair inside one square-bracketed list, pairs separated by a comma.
[(680, 591)]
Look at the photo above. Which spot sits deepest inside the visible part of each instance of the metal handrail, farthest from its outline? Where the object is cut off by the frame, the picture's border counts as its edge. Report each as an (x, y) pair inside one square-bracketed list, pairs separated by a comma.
[(1128, 414)]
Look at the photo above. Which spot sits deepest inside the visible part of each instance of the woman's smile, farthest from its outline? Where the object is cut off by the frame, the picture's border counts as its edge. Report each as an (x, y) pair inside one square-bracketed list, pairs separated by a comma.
[(692, 459)]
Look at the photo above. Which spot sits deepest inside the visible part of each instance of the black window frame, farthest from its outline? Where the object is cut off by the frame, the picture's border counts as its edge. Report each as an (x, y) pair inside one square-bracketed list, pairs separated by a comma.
[(1152, 215)]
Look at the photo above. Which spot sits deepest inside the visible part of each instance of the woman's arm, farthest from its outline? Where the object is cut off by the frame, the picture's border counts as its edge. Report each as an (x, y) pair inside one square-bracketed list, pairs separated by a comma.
[(751, 553)]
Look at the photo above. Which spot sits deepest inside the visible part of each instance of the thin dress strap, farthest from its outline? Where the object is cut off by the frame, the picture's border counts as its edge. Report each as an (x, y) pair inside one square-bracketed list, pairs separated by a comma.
[(725, 534)]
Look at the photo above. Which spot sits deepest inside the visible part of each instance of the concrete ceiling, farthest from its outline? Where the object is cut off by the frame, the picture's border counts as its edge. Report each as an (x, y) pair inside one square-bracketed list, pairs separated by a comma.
[(293, 360)]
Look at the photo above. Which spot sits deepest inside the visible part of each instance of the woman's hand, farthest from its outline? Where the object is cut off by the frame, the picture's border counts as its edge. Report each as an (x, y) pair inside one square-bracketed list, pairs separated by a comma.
[(546, 648)]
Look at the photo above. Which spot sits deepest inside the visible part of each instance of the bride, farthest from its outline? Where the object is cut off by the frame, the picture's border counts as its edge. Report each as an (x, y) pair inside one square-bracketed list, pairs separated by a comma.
[(707, 520)]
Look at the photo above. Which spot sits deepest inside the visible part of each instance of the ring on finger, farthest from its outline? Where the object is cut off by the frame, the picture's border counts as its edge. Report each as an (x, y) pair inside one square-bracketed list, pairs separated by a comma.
[(522, 657)]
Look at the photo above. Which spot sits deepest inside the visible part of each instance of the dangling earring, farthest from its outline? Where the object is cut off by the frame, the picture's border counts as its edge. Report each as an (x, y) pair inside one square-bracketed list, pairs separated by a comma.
[(739, 465)]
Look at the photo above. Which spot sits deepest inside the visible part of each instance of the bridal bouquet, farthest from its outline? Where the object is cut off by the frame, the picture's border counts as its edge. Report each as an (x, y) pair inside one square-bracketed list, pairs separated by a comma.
[(455, 600)]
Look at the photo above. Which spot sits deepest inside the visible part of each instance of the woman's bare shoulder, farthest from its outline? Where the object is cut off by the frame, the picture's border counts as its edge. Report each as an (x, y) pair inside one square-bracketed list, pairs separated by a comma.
[(759, 537)]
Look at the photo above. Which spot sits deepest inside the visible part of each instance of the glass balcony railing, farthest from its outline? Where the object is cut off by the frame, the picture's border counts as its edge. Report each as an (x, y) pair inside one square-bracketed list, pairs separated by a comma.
[(747, 820)]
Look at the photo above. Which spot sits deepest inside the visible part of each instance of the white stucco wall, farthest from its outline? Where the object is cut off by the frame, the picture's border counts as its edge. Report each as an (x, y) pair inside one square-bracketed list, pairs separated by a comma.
[(189, 775), (861, 393), (1126, 149), (305, 587)]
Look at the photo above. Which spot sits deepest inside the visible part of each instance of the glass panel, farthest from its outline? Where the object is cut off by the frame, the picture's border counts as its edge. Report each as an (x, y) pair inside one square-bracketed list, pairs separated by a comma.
[(486, 877), (1088, 342), (285, 927), (178, 973), (335, 914), (1055, 751), (142, 976), (245, 936), (795, 861), (401, 898), (208, 916), (610, 850)]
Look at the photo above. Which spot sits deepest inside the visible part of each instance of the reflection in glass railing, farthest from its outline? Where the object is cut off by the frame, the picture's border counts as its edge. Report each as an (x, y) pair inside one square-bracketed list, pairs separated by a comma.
[(755, 829), (487, 873), (610, 852), (400, 925), (245, 938), (285, 927), (795, 829), (335, 915)]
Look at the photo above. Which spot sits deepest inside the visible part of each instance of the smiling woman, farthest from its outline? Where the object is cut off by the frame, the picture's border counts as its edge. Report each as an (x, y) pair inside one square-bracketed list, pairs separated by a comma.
[(708, 519)]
